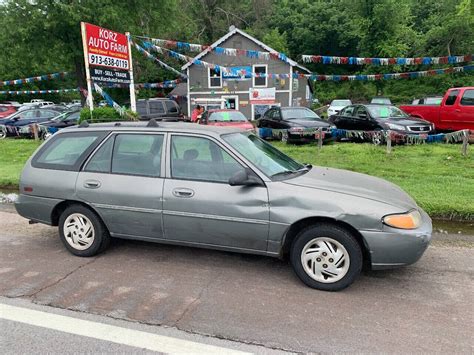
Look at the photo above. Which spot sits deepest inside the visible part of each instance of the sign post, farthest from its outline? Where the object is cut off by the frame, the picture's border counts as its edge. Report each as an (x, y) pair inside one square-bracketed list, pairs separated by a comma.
[(107, 58), (133, 101), (89, 99)]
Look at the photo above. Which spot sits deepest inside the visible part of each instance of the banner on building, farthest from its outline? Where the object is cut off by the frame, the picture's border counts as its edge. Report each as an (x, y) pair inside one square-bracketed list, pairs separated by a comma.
[(262, 95)]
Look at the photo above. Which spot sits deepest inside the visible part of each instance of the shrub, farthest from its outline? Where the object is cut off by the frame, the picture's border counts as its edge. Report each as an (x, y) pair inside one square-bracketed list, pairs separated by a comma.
[(106, 114)]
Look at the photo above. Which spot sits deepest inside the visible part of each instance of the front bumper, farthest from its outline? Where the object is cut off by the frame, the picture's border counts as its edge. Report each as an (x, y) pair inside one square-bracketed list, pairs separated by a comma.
[(391, 247)]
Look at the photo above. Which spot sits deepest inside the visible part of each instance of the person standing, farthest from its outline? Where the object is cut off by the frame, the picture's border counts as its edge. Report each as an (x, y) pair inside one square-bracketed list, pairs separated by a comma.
[(198, 110)]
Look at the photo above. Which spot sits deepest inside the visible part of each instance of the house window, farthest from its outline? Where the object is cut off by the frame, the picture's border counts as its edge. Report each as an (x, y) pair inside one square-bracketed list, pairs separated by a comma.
[(215, 78), (260, 81)]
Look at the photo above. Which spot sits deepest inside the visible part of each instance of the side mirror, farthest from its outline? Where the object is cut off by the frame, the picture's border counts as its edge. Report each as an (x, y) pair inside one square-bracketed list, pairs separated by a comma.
[(363, 116), (258, 116), (245, 177), (174, 109)]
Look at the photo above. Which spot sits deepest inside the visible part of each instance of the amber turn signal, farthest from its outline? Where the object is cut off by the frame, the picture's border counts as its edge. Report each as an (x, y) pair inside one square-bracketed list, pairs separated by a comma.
[(410, 220)]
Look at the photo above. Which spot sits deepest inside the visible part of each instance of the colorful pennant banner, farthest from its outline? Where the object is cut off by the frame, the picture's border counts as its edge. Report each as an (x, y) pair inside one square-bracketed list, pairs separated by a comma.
[(36, 92), (167, 84), (233, 52), (373, 77), (160, 63), (323, 59), (33, 79), (109, 100)]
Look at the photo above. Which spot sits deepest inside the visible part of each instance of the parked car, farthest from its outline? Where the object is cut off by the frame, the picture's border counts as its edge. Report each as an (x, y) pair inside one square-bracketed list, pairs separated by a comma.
[(66, 119), (381, 100), (293, 124), (337, 105), (219, 188), (7, 110), (224, 117), (380, 117), (17, 124), (159, 108), (429, 100), (456, 111)]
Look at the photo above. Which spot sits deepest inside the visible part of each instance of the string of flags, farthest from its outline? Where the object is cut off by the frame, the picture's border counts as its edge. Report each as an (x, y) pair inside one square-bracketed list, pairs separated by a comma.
[(33, 79), (36, 92), (167, 84), (160, 63), (109, 100), (323, 59), (233, 52), (405, 75)]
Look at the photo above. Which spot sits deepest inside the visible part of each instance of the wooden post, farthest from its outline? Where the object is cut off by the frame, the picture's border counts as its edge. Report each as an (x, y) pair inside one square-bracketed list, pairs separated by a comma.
[(465, 142), (388, 138), (34, 128), (320, 137)]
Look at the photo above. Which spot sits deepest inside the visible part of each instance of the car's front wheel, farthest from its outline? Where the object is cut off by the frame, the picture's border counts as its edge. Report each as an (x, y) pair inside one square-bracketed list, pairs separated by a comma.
[(82, 231), (326, 257)]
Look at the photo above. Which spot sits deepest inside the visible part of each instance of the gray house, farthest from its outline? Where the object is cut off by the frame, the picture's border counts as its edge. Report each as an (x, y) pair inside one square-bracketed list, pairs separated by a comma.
[(247, 93)]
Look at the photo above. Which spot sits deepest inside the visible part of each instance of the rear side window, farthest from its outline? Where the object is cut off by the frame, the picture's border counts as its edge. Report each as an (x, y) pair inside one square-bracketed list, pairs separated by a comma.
[(137, 154), (67, 151), (468, 98), (452, 96), (171, 106), (155, 107)]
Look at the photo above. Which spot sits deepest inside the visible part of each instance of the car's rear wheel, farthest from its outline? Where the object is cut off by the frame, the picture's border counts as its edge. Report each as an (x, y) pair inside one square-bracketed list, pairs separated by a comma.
[(326, 257), (82, 231), (283, 137), (3, 133)]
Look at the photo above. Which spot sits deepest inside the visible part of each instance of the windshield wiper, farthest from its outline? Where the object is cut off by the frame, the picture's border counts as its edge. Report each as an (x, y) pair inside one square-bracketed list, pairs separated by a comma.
[(304, 169)]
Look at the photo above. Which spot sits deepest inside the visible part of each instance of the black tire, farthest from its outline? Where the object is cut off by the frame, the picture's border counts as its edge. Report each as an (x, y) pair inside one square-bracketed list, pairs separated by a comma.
[(335, 233), (284, 137), (101, 235)]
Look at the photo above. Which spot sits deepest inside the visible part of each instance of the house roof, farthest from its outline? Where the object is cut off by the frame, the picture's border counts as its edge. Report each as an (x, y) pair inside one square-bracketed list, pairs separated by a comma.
[(234, 30)]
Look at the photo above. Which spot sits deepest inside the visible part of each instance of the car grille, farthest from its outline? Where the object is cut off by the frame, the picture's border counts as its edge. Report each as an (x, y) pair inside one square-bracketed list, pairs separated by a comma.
[(419, 128)]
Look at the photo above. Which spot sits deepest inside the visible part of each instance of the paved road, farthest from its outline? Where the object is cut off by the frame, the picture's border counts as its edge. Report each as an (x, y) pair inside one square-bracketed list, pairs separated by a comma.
[(248, 299)]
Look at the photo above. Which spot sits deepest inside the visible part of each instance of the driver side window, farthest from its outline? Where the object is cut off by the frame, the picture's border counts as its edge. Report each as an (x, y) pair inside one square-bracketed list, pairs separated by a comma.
[(196, 158), (348, 111), (361, 113)]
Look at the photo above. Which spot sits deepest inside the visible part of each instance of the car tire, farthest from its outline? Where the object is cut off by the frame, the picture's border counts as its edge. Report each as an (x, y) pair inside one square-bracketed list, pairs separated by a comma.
[(3, 133), (326, 257), (283, 137), (82, 232)]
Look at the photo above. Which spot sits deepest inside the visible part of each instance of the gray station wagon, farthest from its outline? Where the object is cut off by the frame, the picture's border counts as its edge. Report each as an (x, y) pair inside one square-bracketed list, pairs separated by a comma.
[(219, 188)]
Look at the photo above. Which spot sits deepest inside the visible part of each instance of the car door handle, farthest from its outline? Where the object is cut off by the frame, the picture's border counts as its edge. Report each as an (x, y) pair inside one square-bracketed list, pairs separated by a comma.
[(457, 110), (91, 184), (187, 193)]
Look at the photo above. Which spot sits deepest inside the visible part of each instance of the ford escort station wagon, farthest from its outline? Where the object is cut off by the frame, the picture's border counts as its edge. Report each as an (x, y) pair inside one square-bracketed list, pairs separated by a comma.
[(220, 188)]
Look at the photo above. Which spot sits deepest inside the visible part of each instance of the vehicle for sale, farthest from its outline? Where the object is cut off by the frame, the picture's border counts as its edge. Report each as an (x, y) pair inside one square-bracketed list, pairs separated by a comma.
[(219, 188), (380, 117), (337, 105), (63, 120), (17, 124), (293, 125), (456, 111), (7, 110), (226, 118), (159, 109)]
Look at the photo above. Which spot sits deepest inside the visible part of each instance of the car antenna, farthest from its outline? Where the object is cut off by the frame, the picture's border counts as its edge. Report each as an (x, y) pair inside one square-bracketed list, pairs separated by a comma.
[(117, 124), (84, 124), (152, 123)]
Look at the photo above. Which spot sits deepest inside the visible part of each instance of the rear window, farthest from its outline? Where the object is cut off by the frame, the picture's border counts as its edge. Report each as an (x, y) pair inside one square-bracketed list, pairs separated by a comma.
[(171, 106), (67, 151)]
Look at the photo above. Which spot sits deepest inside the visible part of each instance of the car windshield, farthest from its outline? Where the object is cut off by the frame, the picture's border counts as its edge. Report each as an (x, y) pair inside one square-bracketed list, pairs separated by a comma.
[(386, 112), (381, 100), (264, 156), (227, 116), (298, 114), (341, 103)]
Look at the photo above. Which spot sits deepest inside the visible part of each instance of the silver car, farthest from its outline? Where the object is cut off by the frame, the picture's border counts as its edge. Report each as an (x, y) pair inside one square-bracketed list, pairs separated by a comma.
[(219, 188)]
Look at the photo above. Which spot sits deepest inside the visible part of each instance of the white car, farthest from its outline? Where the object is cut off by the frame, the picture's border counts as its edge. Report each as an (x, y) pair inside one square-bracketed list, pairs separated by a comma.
[(337, 105)]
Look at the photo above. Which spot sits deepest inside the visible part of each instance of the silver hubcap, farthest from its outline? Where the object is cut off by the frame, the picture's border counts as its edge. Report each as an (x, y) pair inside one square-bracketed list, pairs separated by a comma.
[(325, 260), (79, 231)]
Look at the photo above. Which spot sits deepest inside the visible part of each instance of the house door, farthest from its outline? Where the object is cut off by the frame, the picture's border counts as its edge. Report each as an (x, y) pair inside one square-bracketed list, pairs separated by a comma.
[(230, 102)]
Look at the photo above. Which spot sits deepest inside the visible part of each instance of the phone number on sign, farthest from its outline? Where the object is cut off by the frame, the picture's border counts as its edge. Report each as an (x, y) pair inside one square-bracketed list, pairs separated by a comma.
[(96, 59)]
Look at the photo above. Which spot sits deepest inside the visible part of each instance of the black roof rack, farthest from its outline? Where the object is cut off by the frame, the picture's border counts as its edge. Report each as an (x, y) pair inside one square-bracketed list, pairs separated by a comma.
[(152, 123), (84, 124)]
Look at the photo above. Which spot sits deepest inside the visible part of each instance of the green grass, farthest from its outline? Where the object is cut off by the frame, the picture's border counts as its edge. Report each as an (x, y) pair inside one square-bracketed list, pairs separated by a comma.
[(13, 155), (438, 177)]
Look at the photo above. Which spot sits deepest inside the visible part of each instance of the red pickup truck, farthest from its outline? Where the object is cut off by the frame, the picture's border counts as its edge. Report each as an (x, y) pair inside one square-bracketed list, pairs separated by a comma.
[(456, 111)]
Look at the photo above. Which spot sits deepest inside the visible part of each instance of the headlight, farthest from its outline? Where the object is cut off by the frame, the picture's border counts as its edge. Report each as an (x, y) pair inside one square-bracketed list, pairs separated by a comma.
[(396, 127), (410, 220)]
